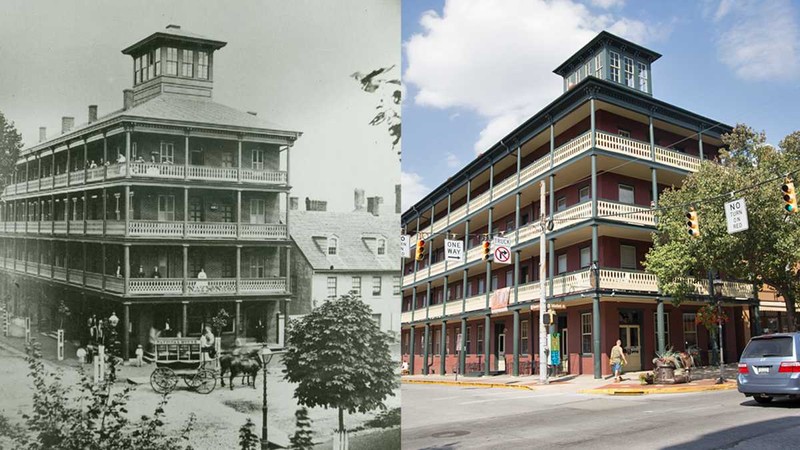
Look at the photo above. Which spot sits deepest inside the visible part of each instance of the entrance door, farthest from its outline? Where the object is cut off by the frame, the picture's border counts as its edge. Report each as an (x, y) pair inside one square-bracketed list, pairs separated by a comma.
[(257, 210), (500, 347), (631, 343)]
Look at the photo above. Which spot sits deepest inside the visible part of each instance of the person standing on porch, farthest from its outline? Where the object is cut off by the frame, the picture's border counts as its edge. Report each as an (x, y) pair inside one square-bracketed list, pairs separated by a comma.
[(617, 358)]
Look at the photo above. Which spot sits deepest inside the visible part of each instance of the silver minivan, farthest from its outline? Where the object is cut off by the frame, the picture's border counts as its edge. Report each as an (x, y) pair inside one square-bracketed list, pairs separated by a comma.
[(770, 367)]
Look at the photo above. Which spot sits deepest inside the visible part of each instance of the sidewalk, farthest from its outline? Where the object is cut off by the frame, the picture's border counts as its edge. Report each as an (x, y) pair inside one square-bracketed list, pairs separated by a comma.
[(704, 379)]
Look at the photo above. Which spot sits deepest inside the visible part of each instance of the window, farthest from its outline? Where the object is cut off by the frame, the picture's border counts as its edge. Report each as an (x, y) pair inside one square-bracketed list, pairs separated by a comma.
[(524, 219), (562, 263), (331, 287), (469, 289), (167, 152), (202, 65), (494, 282), (481, 286), (561, 204), (257, 267), (396, 285), (437, 338), (509, 278), (629, 73), (376, 285), (586, 333), (624, 133), (381, 246), (228, 268), (332, 244), (523, 337), (643, 77), (227, 213), (145, 67), (583, 194), (258, 159), (480, 340), (586, 257), (195, 209), (614, 66), (587, 69), (227, 159), (187, 63), (523, 275), (627, 257), (258, 210), (377, 319), (666, 329), (154, 69), (625, 194), (172, 61), (468, 345), (689, 329), (166, 208), (598, 65), (137, 70), (509, 225), (356, 286)]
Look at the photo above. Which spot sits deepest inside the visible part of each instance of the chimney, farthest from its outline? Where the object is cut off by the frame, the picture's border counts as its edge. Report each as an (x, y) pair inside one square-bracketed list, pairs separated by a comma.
[(358, 199), (316, 205), (42, 134), (66, 124), (398, 199), (293, 203), (127, 99), (374, 205), (252, 113), (92, 113)]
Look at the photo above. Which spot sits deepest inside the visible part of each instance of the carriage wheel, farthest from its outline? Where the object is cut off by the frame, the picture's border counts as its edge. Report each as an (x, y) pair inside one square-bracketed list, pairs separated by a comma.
[(163, 380), (204, 381)]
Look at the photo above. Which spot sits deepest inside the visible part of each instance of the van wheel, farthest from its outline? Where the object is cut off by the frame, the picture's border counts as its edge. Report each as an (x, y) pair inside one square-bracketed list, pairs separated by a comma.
[(763, 399)]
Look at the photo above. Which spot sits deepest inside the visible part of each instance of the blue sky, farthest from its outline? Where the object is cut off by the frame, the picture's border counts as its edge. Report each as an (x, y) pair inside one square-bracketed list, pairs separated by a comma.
[(474, 69)]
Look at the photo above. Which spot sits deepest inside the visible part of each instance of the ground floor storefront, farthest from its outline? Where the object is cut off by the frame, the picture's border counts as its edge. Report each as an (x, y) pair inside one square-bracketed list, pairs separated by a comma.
[(508, 341)]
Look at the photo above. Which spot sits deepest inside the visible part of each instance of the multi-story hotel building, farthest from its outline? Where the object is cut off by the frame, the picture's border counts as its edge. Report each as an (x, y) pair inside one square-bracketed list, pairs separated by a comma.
[(164, 211), (605, 149)]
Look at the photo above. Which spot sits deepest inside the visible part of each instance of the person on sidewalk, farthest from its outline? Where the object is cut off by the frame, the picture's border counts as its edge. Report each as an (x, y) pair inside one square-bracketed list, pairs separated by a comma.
[(617, 360)]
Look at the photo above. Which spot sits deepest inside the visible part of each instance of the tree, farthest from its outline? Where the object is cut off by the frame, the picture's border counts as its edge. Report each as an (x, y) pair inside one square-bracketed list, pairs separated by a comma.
[(220, 321), (339, 358), (302, 435), (768, 253), (248, 439), (10, 145), (388, 87)]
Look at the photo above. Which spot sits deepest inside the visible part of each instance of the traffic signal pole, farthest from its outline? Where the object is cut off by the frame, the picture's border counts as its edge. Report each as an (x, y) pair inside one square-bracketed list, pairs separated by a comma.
[(542, 287)]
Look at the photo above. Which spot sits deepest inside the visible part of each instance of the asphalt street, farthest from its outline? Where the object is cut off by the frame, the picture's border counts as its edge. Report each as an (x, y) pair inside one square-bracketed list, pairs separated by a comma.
[(451, 417)]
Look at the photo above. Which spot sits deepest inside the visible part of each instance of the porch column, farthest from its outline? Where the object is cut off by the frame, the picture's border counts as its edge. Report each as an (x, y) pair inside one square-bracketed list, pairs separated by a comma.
[(700, 143), (517, 218), (39, 171), (185, 251), (126, 269), (126, 331), (239, 213), (491, 181), (598, 373), (516, 276), (443, 349), (462, 352), (85, 161), (413, 302), (519, 164), (594, 186), (411, 351), (652, 137), (186, 156), (660, 324), (593, 122), (237, 324), (83, 249), (67, 171), (469, 191), (105, 156), (444, 295), (85, 210), (426, 340), (515, 367), (127, 209), (105, 214), (103, 266), (184, 318), (52, 259), (53, 168), (127, 152), (239, 160), (430, 240), (185, 210), (486, 341), (416, 263), (654, 185), (488, 284), (238, 267), (427, 299)]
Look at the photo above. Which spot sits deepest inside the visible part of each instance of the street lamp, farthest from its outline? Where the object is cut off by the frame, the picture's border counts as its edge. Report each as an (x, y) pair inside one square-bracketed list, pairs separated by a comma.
[(265, 355), (718, 295), (113, 321)]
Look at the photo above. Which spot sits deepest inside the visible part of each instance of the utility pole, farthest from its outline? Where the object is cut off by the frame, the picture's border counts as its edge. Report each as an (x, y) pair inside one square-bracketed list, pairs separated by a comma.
[(542, 287)]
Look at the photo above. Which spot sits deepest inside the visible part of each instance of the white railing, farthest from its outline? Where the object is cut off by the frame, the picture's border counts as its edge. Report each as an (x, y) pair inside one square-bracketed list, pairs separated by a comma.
[(32, 268), (572, 282), (60, 180), (408, 279), (262, 285), (572, 215), (479, 201), (572, 148), (59, 227), (47, 183), (529, 231), (33, 185), (529, 291), (75, 276), (212, 173), (628, 280), (32, 227), (262, 231), (116, 228), (156, 286), (474, 253), (437, 268), (532, 171), (504, 186), (46, 227), (623, 145), (211, 229), (154, 228), (621, 212), (211, 286), (94, 227), (77, 177), (458, 213), (75, 227), (677, 159), (154, 170), (405, 317), (59, 273), (435, 311), (264, 176), (475, 303), (95, 174), (439, 224)]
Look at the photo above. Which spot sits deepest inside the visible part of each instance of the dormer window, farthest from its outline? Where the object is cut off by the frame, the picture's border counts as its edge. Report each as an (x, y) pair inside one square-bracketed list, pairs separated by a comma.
[(333, 243), (381, 246), (172, 61), (202, 65), (187, 63), (629, 73), (643, 77), (614, 66)]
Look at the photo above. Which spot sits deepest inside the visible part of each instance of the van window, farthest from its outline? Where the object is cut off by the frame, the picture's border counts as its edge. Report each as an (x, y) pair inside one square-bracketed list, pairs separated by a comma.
[(769, 347)]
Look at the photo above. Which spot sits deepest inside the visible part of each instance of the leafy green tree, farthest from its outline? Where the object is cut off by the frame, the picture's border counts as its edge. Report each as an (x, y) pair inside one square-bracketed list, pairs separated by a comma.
[(339, 358), (767, 253), (248, 439), (386, 83), (301, 440), (220, 321), (10, 145)]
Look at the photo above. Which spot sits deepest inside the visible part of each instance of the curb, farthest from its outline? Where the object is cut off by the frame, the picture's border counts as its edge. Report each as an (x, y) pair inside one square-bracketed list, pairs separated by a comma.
[(468, 384), (665, 390)]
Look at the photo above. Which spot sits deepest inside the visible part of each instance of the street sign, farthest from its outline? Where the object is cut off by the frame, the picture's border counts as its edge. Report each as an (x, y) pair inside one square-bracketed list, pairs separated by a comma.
[(458, 342), (736, 216), (501, 250), (453, 250), (405, 246)]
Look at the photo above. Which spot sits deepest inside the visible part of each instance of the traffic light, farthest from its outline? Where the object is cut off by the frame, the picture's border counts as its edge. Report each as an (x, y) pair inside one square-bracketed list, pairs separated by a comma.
[(789, 196), (549, 318), (420, 250), (487, 250), (692, 225)]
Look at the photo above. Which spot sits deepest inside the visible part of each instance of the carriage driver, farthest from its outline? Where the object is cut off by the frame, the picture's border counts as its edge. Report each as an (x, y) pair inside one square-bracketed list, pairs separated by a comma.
[(207, 344)]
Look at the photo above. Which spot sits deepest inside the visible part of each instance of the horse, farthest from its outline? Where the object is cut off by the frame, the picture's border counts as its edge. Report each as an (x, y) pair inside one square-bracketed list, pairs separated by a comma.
[(236, 363)]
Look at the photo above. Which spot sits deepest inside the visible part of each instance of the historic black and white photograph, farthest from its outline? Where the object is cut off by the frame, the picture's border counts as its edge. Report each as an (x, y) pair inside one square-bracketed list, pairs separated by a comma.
[(199, 215)]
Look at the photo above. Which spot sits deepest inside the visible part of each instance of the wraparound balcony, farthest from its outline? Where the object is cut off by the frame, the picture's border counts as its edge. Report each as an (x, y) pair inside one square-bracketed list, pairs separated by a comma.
[(606, 210), (571, 283), (577, 146), (153, 228)]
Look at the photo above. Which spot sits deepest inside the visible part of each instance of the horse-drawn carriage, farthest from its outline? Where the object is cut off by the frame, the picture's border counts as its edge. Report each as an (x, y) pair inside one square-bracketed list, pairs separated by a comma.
[(181, 358)]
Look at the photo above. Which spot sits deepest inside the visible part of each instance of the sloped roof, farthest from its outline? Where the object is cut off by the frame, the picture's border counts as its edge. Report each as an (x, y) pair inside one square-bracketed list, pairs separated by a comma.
[(309, 230), (174, 32)]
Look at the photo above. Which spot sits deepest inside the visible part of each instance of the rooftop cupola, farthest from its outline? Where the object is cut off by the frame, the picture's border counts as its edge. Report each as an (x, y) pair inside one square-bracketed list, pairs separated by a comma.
[(173, 61), (610, 58)]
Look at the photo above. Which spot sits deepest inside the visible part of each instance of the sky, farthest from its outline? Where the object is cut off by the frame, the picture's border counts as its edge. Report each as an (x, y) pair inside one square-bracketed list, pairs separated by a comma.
[(474, 70), (289, 61)]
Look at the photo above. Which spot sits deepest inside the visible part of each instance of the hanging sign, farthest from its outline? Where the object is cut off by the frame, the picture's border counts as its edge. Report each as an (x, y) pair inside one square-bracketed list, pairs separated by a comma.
[(405, 246), (736, 216), (501, 249), (453, 250)]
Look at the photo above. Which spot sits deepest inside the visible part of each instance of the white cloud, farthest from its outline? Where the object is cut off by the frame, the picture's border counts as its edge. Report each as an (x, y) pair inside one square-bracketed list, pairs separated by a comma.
[(452, 160), (496, 57), (413, 189), (607, 3), (758, 40)]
